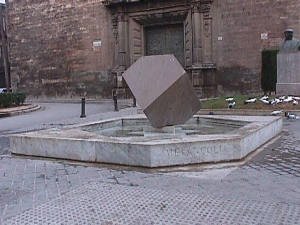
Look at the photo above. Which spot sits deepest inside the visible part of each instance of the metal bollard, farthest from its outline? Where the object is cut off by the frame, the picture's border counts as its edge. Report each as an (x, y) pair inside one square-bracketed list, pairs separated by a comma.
[(82, 108), (115, 98), (134, 101)]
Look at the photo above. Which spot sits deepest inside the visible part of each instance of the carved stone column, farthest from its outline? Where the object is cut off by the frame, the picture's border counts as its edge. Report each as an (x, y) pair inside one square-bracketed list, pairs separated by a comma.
[(122, 46), (197, 49), (119, 23), (115, 21), (205, 9), (203, 72)]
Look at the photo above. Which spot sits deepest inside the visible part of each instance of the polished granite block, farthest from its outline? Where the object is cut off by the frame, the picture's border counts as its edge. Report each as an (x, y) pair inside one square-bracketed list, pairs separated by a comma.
[(163, 90)]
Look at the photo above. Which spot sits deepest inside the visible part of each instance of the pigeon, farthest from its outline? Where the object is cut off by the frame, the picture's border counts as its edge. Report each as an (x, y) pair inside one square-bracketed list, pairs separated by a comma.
[(278, 100), (264, 101), (265, 97), (231, 105), (250, 100), (275, 113), (291, 116), (272, 102), (295, 102), (229, 99), (282, 97), (296, 98), (288, 99)]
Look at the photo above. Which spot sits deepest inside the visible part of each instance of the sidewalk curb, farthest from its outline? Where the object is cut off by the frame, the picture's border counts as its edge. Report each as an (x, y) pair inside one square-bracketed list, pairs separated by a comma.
[(17, 111), (237, 112), (242, 112)]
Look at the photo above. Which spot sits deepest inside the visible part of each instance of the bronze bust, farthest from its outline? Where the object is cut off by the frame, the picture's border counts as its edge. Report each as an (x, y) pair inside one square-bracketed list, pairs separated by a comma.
[(290, 44)]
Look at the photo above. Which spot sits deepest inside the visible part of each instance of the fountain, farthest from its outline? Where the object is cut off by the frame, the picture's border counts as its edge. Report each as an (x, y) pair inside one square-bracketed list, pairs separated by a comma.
[(167, 135)]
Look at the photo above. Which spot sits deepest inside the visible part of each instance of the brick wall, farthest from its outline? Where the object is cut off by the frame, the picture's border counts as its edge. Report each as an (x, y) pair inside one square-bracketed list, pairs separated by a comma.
[(238, 26), (52, 51)]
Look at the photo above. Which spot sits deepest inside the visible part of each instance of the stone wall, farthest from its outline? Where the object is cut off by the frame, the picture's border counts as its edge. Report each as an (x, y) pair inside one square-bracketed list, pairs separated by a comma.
[(55, 52), (55, 48)]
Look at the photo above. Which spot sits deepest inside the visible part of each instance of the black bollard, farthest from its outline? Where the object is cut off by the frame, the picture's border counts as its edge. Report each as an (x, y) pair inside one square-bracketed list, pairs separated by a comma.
[(134, 101), (115, 98), (82, 108)]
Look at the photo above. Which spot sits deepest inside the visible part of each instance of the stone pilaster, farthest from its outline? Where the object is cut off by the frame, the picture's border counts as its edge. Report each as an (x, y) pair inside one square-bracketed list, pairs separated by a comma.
[(197, 45), (120, 31), (206, 19), (122, 34)]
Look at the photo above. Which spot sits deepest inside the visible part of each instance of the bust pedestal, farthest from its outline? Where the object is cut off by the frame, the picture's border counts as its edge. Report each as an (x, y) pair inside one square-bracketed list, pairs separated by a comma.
[(288, 73)]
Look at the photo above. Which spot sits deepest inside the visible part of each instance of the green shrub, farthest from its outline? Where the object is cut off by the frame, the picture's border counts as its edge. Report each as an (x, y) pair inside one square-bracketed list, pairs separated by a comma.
[(269, 70), (11, 99), (19, 98), (6, 100)]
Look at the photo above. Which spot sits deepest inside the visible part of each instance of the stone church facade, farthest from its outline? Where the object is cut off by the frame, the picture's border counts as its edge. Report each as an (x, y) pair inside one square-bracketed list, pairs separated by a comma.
[(81, 48)]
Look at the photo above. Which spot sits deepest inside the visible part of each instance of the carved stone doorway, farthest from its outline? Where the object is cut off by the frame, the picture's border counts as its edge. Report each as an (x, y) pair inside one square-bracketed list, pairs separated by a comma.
[(165, 39)]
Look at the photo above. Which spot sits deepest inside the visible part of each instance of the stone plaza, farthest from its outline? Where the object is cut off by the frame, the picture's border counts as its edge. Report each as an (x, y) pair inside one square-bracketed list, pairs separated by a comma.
[(118, 166), (261, 189)]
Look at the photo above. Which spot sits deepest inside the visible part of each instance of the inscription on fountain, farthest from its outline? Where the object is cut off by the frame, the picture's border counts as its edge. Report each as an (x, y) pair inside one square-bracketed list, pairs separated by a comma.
[(163, 90), (197, 151)]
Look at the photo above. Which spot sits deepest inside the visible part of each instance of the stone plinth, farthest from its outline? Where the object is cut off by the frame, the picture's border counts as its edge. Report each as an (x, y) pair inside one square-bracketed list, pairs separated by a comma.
[(163, 90), (288, 73)]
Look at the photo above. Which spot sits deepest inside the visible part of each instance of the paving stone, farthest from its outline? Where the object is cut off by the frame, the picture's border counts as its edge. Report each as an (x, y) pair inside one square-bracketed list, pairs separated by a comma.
[(103, 203)]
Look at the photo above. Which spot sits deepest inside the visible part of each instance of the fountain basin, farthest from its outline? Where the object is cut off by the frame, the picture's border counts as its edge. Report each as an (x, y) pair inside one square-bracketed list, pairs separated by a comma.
[(235, 137)]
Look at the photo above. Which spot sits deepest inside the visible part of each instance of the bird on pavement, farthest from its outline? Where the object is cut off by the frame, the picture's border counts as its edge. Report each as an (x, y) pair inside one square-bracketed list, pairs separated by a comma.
[(291, 116), (276, 112)]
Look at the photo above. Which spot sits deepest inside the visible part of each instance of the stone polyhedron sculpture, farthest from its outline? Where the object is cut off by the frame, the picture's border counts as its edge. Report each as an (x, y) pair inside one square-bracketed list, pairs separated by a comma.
[(163, 90)]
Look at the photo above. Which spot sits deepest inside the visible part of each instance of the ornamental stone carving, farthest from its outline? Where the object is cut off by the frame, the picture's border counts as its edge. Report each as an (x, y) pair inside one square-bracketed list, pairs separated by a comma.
[(114, 21)]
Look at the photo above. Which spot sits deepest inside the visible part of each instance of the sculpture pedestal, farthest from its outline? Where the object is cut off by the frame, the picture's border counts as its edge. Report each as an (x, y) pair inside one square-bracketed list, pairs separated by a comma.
[(288, 73)]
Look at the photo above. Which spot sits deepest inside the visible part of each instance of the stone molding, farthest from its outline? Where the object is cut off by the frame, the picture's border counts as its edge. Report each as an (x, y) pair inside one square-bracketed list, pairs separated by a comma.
[(113, 2)]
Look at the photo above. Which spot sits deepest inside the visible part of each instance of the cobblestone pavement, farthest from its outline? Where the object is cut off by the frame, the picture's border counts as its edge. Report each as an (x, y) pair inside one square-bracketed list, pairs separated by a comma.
[(264, 190)]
